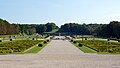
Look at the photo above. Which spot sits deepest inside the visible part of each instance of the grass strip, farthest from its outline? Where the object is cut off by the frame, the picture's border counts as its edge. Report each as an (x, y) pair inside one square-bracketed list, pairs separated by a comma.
[(35, 49), (84, 48)]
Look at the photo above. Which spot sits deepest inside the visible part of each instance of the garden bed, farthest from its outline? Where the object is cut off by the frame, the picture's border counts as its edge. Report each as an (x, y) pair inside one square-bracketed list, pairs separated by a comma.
[(102, 46), (17, 46)]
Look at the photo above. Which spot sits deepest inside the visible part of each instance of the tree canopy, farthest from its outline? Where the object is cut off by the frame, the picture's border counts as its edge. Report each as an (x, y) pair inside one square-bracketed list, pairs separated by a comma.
[(7, 28), (103, 30)]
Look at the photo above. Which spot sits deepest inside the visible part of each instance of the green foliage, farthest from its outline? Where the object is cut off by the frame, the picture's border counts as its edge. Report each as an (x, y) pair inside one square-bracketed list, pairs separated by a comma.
[(10, 39), (17, 46), (102, 46), (7, 28), (110, 30), (74, 42), (40, 45), (41, 29), (50, 26), (33, 38), (74, 28), (84, 48), (80, 45), (51, 32), (85, 38), (0, 40), (108, 39), (45, 42), (71, 40), (48, 40), (36, 49)]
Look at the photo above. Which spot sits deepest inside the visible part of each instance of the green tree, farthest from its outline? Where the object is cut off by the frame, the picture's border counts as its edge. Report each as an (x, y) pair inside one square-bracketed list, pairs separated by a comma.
[(41, 28), (50, 26)]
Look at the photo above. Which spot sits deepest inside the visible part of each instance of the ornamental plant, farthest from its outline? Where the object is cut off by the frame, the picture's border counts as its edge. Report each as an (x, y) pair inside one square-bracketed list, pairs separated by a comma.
[(40, 45), (45, 42), (74, 42), (80, 45)]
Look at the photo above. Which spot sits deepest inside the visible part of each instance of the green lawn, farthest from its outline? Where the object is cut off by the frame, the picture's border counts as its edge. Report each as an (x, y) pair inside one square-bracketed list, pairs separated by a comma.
[(84, 49), (53, 31), (35, 49), (102, 46), (17, 46)]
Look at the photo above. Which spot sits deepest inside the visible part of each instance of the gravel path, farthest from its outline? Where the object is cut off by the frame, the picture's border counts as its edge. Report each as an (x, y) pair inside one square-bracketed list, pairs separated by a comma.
[(60, 54)]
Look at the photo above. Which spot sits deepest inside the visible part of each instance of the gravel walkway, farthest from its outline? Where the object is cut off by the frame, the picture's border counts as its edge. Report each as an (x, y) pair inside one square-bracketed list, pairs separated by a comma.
[(60, 54)]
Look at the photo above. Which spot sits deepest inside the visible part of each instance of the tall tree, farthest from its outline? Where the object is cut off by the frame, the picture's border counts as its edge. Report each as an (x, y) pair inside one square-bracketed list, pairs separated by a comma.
[(50, 26), (41, 28)]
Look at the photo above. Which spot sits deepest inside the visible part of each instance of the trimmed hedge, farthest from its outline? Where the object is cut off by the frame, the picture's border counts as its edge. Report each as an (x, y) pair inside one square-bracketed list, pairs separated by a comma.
[(80, 45), (74, 42), (10, 39), (45, 42), (40, 45), (48, 40), (0, 40), (85, 38), (108, 39), (71, 40)]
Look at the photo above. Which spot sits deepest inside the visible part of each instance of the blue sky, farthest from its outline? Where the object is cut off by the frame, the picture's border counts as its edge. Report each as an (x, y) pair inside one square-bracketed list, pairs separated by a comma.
[(60, 11)]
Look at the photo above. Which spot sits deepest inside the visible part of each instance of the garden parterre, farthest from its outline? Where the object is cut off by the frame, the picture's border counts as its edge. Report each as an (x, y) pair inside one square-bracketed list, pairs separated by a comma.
[(17, 46), (102, 46)]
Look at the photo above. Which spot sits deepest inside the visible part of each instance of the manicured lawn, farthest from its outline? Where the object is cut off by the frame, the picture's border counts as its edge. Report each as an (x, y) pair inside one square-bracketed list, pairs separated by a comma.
[(102, 46), (35, 49), (84, 49), (17, 46), (53, 31)]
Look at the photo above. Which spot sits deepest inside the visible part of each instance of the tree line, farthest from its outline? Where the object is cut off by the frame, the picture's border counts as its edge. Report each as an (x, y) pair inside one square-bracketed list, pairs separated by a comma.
[(111, 30), (6, 28), (37, 28)]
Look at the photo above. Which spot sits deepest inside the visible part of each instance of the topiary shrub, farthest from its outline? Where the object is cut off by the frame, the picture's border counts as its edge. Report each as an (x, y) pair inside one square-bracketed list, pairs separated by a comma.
[(108, 39), (48, 40), (1, 52), (40, 45), (9, 36), (74, 42), (10, 39), (71, 40), (85, 38), (80, 45), (0, 40), (14, 36), (45, 42)]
